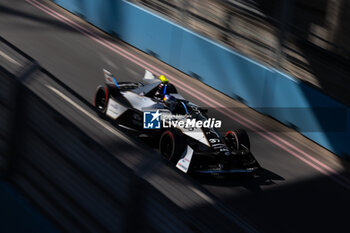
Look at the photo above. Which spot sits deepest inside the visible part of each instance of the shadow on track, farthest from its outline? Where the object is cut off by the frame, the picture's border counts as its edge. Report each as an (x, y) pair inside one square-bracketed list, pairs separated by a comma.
[(251, 182)]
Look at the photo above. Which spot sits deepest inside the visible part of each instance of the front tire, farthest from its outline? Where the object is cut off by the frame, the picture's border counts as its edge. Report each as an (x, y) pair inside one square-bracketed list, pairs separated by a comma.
[(101, 99), (172, 145), (237, 139)]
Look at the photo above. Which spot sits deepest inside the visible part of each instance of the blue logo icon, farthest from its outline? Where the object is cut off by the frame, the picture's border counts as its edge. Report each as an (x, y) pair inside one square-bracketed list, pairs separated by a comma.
[(151, 120)]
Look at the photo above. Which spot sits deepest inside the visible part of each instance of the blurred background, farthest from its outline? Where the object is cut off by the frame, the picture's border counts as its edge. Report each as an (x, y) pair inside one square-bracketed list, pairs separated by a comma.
[(308, 39)]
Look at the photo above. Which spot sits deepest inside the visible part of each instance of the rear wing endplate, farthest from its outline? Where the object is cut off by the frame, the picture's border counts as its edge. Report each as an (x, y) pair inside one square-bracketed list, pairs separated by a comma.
[(148, 75), (109, 79)]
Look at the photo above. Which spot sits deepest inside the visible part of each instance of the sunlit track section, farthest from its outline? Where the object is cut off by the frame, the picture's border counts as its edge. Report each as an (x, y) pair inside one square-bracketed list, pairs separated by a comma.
[(269, 136)]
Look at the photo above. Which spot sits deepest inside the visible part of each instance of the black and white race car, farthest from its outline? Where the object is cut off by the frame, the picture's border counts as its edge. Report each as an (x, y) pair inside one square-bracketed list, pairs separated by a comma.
[(194, 147)]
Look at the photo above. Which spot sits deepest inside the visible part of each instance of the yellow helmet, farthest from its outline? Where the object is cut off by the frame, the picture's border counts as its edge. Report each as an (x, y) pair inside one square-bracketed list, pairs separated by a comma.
[(163, 79)]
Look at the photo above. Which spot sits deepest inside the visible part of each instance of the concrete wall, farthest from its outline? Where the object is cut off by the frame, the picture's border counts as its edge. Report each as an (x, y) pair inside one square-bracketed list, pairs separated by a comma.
[(290, 101), (17, 214)]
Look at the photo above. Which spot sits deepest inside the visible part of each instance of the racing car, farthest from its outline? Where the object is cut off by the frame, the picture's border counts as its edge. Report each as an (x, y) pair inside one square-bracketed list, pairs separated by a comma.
[(142, 107)]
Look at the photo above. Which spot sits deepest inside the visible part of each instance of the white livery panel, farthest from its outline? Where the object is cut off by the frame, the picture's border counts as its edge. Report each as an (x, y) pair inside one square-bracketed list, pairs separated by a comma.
[(114, 109)]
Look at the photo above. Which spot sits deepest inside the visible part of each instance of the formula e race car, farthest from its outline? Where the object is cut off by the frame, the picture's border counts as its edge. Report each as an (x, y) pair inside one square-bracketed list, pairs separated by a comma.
[(184, 133)]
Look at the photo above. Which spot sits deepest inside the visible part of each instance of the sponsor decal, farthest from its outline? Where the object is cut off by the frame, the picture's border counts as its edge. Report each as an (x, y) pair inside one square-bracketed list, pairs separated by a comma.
[(191, 123), (156, 120), (151, 119)]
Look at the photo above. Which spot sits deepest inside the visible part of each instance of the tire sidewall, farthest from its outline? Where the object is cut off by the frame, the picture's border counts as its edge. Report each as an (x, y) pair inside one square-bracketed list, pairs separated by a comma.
[(101, 89), (178, 145)]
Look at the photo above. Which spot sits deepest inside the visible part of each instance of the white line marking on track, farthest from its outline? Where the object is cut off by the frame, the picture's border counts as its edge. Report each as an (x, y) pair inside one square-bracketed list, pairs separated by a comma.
[(10, 59), (110, 129)]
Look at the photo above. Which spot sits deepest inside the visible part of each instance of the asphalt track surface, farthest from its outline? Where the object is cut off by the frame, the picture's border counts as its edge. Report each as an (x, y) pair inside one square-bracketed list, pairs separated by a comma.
[(302, 188)]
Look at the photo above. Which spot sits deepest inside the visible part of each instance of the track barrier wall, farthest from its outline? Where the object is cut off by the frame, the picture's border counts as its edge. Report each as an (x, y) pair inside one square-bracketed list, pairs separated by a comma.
[(294, 103)]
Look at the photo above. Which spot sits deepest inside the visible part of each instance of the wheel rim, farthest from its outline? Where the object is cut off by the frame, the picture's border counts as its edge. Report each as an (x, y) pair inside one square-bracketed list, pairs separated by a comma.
[(167, 146)]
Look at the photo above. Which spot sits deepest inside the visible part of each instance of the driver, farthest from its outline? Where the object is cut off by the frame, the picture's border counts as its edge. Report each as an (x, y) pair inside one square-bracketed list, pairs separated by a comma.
[(170, 102), (174, 105), (164, 88)]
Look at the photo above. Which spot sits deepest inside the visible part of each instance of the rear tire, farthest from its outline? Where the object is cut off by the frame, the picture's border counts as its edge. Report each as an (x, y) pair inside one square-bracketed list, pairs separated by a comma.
[(172, 145), (101, 99), (237, 139)]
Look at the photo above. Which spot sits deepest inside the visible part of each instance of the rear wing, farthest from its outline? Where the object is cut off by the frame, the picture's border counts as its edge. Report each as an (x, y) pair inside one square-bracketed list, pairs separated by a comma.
[(148, 75), (109, 78), (149, 78)]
